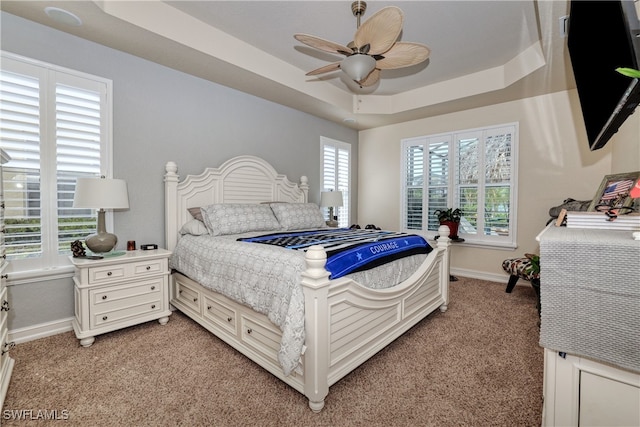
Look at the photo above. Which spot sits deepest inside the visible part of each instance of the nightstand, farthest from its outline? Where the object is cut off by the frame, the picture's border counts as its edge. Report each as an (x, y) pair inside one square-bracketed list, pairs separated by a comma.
[(120, 291)]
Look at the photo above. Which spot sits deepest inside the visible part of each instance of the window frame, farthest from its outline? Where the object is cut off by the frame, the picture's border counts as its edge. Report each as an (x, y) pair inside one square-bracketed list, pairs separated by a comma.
[(346, 194), (453, 140), (49, 76)]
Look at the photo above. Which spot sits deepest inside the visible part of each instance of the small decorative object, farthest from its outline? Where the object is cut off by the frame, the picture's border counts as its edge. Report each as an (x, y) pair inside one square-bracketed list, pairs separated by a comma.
[(331, 200), (77, 249), (131, 245), (614, 194), (451, 218)]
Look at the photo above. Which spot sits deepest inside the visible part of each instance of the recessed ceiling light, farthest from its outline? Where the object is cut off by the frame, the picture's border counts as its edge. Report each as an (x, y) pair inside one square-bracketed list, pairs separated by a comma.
[(63, 16)]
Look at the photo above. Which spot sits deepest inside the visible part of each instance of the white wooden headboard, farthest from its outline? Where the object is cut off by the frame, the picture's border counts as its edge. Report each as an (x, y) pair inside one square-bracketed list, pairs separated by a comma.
[(242, 179)]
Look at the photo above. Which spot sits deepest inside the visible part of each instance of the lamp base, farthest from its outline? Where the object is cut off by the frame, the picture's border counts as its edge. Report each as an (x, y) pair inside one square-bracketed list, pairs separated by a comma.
[(101, 242), (333, 223)]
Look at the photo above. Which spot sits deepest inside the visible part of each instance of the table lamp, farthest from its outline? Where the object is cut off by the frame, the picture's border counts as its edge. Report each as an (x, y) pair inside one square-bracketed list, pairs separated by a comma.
[(101, 194), (331, 199)]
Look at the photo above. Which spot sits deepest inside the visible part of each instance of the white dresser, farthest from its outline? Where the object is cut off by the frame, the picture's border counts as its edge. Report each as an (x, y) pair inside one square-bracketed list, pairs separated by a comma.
[(6, 362), (120, 291), (590, 327)]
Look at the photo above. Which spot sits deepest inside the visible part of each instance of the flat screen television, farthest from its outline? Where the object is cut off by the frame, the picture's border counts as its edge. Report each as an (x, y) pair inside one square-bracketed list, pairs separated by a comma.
[(602, 36)]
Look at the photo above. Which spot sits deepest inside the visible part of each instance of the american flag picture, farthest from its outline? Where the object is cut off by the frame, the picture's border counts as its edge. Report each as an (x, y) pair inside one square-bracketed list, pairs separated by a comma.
[(616, 189)]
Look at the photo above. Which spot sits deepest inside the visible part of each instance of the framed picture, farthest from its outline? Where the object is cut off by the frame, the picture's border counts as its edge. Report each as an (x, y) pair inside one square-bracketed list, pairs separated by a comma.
[(614, 192)]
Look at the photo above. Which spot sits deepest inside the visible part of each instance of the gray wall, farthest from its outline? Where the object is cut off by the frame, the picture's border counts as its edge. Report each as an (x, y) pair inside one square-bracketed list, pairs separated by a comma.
[(160, 114)]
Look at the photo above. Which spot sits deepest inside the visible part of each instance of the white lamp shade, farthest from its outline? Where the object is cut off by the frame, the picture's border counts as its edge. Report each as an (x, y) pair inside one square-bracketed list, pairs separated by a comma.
[(331, 198), (101, 193), (358, 66)]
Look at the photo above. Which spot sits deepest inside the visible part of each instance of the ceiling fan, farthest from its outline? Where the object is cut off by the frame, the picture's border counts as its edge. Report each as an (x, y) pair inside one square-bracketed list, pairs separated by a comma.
[(374, 47)]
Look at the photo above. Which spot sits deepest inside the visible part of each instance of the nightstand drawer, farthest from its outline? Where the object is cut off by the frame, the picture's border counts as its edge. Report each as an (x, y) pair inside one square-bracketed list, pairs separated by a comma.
[(107, 273), (114, 294), (110, 273), (125, 310)]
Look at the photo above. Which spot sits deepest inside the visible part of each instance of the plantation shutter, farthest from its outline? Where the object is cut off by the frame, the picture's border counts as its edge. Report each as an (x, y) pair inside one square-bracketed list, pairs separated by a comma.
[(335, 174), (52, 126)]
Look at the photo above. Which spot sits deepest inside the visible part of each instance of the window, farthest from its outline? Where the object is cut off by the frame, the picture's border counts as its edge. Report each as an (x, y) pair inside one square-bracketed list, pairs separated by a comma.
[(335, 174), (474, 170), (55, 127)]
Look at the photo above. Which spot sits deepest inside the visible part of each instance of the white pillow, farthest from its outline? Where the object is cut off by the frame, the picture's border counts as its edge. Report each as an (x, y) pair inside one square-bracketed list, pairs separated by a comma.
[(298, 216), (235, 218), (195, 227)]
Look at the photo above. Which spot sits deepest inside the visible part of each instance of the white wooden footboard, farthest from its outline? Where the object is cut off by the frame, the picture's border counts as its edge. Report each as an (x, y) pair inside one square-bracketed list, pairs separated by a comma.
[(347, 323)]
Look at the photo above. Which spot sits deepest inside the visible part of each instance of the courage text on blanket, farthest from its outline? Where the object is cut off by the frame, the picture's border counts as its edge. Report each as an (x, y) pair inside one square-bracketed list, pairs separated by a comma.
[(350, 250)]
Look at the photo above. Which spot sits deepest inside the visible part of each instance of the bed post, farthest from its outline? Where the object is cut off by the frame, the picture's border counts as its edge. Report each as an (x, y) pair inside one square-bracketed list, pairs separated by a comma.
[(445, 243), (304, 186), (170, 209), (315, 285)]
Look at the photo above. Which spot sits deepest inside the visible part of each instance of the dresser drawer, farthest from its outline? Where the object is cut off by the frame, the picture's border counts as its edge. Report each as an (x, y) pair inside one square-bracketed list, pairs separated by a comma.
[(4, 306), (5, 346), (110, 273), (220, 314), (187, 296)]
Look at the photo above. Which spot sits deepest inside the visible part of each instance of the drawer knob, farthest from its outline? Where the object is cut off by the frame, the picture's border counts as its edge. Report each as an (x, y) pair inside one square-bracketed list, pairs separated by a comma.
[(249, 331), (5, 306), (153, 306), (104, 317), (4, 276), (195, 299), (208, 307), (229, 320), (104, 297), (153, 288), (148, 267), (109, 273), (180, 291), (7, 347)]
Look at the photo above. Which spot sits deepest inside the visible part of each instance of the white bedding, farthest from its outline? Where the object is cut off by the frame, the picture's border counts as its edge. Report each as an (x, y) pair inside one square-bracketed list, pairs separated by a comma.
[(267, 279)]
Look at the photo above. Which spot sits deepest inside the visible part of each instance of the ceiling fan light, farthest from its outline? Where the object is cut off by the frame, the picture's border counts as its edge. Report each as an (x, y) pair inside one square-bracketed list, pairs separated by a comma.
[(358, 66)]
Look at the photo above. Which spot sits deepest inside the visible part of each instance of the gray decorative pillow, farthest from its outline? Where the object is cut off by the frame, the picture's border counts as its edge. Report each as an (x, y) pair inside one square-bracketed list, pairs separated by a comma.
[(298, 216), (235, 218), (194, 227)]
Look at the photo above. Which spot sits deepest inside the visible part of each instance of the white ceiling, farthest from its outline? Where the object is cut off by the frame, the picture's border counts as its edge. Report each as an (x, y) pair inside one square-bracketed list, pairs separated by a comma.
[(482, 52)]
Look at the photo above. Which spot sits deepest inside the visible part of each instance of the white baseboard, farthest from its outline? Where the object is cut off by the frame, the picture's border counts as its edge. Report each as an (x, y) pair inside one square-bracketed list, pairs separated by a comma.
[(481, 275), (42, 330)]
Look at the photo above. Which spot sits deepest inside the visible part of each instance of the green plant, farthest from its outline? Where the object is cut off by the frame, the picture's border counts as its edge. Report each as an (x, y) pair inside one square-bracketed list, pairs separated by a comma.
[(629, 72), (534, 267), (449, 214)]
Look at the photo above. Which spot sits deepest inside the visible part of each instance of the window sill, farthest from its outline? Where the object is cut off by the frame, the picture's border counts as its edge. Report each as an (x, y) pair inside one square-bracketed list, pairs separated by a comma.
[(15, 278)]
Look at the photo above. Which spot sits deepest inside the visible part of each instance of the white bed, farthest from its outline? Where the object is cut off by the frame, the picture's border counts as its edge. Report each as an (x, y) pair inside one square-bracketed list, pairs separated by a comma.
[(345, 323)]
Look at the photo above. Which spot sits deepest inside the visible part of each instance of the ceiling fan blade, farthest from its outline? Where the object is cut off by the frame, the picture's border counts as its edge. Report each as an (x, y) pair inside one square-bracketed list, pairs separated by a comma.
[(371, 79), (327, 68), (322, 44), (403, 54), (380, 31)]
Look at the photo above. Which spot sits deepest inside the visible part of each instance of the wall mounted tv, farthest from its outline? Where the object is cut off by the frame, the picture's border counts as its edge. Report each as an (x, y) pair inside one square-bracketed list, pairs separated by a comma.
[(602, 36)]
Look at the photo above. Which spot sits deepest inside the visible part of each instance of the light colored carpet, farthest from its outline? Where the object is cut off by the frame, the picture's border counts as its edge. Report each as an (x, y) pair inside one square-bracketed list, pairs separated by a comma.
[(478, 364)]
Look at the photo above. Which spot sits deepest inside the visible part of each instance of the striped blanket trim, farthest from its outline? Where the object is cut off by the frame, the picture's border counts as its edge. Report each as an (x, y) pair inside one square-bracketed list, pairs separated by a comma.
[(350, 250)]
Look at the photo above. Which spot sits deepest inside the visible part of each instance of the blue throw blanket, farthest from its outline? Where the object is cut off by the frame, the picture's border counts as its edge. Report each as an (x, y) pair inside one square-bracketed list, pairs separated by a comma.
[(350, 250)]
